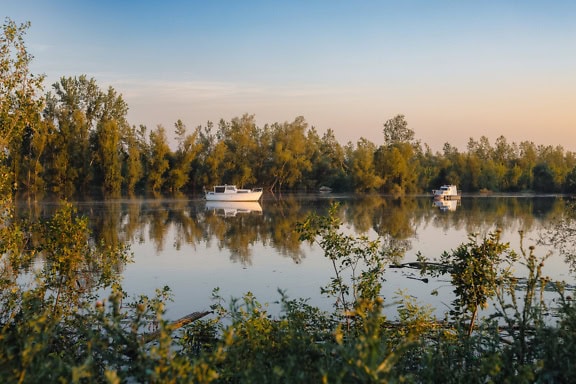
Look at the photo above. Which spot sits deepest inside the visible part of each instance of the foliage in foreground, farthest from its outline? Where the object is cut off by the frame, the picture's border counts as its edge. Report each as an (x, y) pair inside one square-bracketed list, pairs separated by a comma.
[(54, 328)]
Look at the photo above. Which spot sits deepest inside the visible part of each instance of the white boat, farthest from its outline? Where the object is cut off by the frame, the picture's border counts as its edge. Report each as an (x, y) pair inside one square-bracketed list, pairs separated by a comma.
[(231, 193), (233, 208), (446, 192)]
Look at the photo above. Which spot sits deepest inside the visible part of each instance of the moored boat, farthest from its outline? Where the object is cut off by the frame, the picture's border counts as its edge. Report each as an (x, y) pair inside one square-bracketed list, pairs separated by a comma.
[(231, 193), (446, 192)]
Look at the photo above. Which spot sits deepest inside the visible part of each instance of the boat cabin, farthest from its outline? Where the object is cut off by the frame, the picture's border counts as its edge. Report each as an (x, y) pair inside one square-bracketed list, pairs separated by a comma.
[(446, 192)]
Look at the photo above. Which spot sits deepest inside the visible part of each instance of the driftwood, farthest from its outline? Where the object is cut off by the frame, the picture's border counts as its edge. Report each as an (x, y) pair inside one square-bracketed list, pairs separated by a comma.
[(148, 337), (421, 265)]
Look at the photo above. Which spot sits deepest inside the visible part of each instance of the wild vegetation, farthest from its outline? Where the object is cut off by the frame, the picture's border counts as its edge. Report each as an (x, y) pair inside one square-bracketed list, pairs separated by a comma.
[(55, 325)]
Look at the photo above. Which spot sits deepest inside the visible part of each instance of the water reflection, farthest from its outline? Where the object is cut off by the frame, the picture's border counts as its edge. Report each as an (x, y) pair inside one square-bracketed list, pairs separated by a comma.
[(239, 227), (233, 208), (446, 205), (194, 246)]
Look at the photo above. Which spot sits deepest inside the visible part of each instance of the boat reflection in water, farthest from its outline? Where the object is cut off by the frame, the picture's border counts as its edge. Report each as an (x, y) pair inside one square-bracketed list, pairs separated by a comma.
[(232, 208), (447, 205)]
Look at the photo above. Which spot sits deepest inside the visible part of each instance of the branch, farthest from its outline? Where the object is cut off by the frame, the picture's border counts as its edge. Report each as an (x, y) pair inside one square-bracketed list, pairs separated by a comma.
[(148, 337)]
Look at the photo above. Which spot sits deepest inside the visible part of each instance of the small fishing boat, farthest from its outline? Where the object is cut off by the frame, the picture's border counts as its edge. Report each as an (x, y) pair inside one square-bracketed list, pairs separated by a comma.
[(231, 193), (446, 192)]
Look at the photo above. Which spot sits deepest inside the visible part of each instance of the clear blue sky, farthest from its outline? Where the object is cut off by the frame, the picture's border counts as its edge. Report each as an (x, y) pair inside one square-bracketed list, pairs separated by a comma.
[(455, 69)]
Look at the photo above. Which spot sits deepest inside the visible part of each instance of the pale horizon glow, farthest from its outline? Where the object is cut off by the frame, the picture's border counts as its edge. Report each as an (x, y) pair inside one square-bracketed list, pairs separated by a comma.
[(456, 70)]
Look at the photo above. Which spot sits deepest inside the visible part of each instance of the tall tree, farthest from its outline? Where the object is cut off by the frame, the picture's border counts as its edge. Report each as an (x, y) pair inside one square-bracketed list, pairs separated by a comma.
[(527, 162), (188, 148), (396, 161), (134, 147), (241, 139), (396, 131), (76, 107), (158, 159), (362, 166), (327, 159), (108, 156), (20, 106), (107, 141), (289, 156)]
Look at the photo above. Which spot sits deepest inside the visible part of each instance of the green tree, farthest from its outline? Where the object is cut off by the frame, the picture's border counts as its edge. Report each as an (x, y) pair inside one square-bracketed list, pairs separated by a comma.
[(477, 269), (289, 153), (327, 160), (527, 161), (570, 182), (559, 163), (451, 168), (107, 140), (241, 139), (543, 178), (210, 160), (75, 107), (20, 106), (188, 148), (399, 168), (133, 149), (396, 131), (158, 159), (360, 162), (108, 156), (29, 169), (397, 159)]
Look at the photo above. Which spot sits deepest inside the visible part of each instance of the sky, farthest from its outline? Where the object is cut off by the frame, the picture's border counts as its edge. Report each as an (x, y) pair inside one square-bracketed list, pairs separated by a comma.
[(455, 69)]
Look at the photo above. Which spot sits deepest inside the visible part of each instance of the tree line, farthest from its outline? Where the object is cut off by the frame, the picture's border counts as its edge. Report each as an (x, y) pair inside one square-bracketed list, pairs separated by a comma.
[(76, 138)]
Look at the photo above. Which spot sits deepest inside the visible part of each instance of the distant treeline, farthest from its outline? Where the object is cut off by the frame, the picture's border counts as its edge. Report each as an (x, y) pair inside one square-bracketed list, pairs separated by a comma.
[(76, 138)]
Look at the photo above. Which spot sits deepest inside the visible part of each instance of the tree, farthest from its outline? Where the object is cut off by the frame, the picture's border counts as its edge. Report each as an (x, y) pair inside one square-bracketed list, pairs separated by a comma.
[(527, 162), (289, 159), (570, 182), (19, 106), (241, 139), (158, 158), (396, 131), (188, 148), (107, 141), (133, 148), (108, 156), (361, 165), (399, 168), (543, 178), (327, 159), (76, 107), (396, 161), (477, 269)]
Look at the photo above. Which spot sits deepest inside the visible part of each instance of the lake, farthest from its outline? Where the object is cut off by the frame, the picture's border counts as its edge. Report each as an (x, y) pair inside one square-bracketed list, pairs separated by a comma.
[(194, 246)]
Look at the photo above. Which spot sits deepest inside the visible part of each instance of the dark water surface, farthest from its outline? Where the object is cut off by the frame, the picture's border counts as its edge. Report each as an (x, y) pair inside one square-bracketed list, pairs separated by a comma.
[(194, 246)]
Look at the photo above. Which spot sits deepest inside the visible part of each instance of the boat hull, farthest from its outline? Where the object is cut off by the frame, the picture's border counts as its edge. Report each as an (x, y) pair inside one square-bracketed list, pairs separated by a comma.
[(239, 196)]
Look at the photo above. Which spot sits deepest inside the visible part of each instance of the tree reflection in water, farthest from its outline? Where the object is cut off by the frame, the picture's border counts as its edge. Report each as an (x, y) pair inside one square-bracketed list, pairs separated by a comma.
[(271, 223), (413, 224)]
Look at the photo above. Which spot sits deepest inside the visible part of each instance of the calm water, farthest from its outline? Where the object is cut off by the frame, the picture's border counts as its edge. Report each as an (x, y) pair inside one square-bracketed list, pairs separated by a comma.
[(193, 246)]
